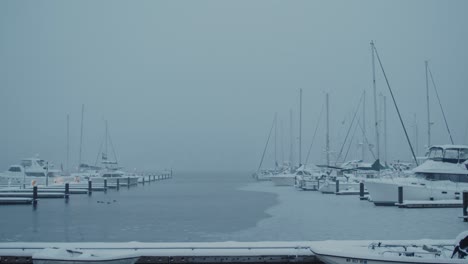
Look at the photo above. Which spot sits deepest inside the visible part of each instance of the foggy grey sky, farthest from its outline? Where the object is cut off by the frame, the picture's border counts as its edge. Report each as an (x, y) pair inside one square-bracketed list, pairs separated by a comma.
[(195, 84)]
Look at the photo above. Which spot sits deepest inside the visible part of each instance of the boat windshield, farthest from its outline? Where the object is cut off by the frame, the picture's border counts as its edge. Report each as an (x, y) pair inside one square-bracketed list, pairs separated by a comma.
[(463, 155), (14, 169), (436, 154)]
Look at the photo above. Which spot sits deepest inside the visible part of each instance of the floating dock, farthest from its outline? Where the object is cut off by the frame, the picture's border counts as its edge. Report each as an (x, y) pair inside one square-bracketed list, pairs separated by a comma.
[(15, 200), (431, 204), (351, 192), (178, 253), (30, 194), (43, 190)]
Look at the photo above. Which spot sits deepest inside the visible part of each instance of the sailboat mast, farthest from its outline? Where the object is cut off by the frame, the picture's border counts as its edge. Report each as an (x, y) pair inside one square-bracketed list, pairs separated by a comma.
[(291, 138), (276, 140), (376, 120), (327, 148), (363, 126), (81, 134), (105, 142), (300, 127), (385, 128), (428, 112), (282, 142), (68, 142)]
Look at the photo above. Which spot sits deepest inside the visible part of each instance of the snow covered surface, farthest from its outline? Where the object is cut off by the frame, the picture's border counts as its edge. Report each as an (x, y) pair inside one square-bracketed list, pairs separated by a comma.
[(407, 251), (431, 166), (433, 202), (78, 255), (228, 248)]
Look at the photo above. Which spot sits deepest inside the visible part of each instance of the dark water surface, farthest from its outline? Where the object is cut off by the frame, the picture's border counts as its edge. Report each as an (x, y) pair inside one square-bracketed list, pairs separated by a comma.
[(189, 207)]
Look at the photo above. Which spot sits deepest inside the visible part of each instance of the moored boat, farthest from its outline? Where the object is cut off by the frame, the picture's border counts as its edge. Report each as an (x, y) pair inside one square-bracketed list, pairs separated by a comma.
[(394, 252)]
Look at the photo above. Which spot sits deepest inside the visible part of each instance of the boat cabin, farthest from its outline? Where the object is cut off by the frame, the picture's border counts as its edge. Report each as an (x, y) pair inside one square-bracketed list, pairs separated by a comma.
[(448, 153)]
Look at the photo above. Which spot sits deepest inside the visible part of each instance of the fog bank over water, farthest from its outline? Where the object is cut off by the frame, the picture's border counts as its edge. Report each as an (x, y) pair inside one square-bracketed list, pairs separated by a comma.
[(195, 85)]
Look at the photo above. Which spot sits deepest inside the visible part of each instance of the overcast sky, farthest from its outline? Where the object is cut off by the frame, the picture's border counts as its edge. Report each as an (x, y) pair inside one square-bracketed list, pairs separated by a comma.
[(194, 85)]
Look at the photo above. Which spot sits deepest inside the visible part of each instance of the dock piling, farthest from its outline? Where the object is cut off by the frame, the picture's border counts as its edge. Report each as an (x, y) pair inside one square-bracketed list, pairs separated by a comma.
[(337, 186), (67, 190), (105, 185), (90, 187), (361, 191), (128, 182), (400, 194), (465, 206), (35, 195), (118, 184)]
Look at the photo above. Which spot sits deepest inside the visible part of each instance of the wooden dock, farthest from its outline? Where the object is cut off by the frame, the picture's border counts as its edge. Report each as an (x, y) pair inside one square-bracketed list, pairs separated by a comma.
[(15, 200)]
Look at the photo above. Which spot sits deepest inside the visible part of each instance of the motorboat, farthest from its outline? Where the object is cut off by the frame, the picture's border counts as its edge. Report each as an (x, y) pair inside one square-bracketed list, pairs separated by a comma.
[(393, 252), (443, 176), (76, 256), (31, 171)]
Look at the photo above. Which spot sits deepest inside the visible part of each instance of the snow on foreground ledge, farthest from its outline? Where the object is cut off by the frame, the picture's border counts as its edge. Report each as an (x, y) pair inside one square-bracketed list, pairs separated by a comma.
[(228, 248)]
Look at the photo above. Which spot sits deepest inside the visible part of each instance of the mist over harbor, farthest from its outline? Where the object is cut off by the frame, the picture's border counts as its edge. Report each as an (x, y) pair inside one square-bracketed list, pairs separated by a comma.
[(195, 85)]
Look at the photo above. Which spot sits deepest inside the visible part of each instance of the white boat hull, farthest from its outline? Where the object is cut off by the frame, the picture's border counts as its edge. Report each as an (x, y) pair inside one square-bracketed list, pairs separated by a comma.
[(330, 259), (386, 193)]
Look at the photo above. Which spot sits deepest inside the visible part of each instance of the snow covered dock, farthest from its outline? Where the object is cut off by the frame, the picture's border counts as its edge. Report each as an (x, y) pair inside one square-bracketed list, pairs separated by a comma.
[(216, 252)]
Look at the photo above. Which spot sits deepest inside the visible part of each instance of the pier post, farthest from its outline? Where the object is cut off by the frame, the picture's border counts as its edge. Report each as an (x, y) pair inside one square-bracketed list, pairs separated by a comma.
[(361, 191), (143, 180), (465, 206), (67, 190), (90, 187), (337, 186), (35, 195), (400, 194), (318, 185), (118, 184), (105, 185), (128, 182)]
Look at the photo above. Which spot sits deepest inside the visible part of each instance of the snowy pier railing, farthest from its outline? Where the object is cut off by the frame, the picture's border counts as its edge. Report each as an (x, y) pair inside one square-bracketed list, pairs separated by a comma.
[(211, 252)]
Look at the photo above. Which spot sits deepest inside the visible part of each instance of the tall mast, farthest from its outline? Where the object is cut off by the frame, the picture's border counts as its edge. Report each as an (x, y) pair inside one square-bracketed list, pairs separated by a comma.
[(327, 148), (68, 142), (385, 128), (363, 126), (81, 134), (428, 112), (282, 142), (376, 120), (291, 138), (300, 127), (276, 140), (105, 142)]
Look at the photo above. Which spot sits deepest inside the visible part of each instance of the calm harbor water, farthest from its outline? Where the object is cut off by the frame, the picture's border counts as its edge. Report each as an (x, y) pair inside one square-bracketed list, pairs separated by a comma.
[(219, 207)]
